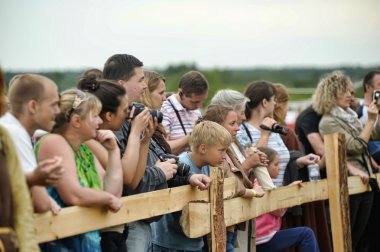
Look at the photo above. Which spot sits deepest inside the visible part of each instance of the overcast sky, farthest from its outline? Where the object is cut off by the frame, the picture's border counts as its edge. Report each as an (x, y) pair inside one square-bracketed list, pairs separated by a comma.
[(72, 34)]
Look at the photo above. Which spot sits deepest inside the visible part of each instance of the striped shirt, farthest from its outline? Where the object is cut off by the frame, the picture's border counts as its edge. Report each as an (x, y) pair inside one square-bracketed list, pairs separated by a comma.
[(171, 122), (275, 142)]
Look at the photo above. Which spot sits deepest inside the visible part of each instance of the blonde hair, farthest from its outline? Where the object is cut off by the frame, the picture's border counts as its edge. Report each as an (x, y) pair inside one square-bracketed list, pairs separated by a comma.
[(3, 100), (152, 80), (75, 101), (328, 89), (210, 134), (282, 98)]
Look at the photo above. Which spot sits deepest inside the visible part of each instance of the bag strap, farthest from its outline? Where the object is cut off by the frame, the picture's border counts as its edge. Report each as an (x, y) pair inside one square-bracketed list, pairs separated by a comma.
[(178, 116)]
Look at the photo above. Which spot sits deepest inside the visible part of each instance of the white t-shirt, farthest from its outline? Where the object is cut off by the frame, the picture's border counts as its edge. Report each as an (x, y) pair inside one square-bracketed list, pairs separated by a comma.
[(21, 140)]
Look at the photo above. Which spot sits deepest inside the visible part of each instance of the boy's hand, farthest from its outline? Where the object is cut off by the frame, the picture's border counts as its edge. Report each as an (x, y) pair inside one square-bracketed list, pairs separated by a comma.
[(169, 167), (200, 180)]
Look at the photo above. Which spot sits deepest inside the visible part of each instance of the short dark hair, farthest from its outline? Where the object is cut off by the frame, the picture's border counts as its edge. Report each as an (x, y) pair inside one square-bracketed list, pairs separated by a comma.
[(256, 92), (193, 82), (368, 78), (120, 67), (108, 92)]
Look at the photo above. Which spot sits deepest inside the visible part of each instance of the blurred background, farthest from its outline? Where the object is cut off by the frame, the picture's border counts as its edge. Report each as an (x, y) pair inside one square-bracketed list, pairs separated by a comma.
[(233, 43)]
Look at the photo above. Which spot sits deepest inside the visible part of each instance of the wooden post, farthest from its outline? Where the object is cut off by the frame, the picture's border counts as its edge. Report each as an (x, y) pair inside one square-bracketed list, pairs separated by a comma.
[(338, 192), (218, 226)]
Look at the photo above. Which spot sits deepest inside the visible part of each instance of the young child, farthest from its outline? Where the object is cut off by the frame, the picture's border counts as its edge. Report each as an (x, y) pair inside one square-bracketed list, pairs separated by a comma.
[(269, 235), (209, 142)]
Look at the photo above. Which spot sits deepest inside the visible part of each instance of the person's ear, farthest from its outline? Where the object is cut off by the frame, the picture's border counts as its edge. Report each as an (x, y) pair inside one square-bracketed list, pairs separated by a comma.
[(180, 93), (32, 106), (75, 121), (108, 116), (202, 149)]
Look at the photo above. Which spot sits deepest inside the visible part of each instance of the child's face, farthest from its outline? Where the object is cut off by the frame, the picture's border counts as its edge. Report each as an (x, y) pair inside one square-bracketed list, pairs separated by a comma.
[(215, 155), (274, 167)]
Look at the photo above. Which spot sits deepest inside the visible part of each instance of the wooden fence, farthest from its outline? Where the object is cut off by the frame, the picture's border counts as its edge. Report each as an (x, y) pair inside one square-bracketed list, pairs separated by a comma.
[(209, 212)]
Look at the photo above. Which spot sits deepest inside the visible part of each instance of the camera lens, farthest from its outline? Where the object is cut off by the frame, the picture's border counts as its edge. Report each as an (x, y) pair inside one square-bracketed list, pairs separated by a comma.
[(156, 114), (183, 169)]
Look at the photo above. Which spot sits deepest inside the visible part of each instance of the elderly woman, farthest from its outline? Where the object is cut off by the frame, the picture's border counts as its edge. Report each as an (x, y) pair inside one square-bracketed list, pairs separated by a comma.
[(254, 159), (332, 100), (85, 181), (233, 167)]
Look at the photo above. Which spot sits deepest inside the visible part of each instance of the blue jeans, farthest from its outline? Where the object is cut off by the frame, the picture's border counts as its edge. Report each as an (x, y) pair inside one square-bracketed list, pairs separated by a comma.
[(231, 240), (302, 237), (139, 237), (157, 248)]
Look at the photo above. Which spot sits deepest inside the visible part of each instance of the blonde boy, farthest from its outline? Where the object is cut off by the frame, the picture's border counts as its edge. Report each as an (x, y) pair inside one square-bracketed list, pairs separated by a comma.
[(208, 142)]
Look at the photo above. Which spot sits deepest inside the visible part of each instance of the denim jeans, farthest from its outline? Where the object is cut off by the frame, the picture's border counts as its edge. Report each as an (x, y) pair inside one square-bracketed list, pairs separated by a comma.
[(231, 240), (157, 248), (139, 237), (302, 237)]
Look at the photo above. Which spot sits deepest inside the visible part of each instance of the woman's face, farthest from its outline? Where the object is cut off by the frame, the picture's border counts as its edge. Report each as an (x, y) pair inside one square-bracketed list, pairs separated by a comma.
[(270, 106), (91, 125), (344, 99), (158, 95), (230, 123), (118, 118)]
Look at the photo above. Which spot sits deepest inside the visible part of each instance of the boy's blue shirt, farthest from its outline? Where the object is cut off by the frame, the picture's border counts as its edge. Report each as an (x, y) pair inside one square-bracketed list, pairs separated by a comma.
[(167, 232)]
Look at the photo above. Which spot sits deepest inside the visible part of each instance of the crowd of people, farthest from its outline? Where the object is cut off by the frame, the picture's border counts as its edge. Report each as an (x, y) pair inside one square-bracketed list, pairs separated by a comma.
[(116, 133)]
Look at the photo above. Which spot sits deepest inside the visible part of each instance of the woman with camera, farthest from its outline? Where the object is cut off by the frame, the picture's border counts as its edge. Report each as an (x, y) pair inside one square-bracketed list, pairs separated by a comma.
[(262, 130), (159, 149), (332, 99)]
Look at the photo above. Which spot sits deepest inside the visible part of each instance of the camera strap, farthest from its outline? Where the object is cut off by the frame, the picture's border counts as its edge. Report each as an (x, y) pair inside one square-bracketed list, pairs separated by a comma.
[(247, 131), (155, 152), (178, 116)]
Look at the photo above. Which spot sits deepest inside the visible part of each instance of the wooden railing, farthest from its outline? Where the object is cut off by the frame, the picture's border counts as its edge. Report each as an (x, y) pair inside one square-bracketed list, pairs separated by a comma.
[(210, 212)]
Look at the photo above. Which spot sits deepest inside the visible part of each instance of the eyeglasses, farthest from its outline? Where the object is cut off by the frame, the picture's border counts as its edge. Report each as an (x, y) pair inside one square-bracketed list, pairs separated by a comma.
[(79, 98)]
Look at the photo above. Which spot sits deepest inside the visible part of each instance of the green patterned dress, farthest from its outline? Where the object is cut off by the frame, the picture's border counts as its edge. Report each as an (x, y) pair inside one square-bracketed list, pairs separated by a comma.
[(88, 177)]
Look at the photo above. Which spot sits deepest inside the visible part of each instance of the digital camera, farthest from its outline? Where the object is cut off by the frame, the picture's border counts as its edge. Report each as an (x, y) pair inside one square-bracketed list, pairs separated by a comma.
[(140, 108), (276, 128), (376, 96), (183, 169)]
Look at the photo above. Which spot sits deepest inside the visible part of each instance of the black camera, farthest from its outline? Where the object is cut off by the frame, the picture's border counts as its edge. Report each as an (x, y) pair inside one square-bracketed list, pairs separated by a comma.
[(276, 128), (140, 108), (376, 96), (183, 169)]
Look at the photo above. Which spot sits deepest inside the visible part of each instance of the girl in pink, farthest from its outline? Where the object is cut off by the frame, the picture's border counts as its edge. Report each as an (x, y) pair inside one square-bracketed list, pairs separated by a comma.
[(269, 237)]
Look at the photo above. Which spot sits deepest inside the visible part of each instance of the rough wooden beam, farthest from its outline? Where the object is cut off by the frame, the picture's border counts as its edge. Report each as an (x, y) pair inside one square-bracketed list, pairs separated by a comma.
[(218, 227), (338, 192), (242, 209), (75, 220)]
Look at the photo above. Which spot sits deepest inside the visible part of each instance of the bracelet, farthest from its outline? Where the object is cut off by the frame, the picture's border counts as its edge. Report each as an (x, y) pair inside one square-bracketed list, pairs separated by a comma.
[(254, 192)]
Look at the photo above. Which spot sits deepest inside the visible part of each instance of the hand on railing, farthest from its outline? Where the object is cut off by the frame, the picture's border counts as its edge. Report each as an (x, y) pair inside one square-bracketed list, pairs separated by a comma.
[(200, 180)]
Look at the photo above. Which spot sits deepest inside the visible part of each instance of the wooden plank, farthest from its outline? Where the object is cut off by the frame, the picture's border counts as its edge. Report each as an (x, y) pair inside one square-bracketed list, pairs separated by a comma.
[(218, 227), (75, 220), (242, 209), (338, 192)]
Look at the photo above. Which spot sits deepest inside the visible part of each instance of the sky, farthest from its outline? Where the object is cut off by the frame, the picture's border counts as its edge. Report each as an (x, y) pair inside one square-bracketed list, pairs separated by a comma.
[(39, 35)]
